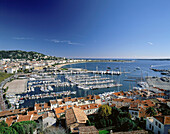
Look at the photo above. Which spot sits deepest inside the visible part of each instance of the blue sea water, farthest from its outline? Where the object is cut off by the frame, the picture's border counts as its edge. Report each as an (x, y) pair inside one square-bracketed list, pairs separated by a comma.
[(129, 67)]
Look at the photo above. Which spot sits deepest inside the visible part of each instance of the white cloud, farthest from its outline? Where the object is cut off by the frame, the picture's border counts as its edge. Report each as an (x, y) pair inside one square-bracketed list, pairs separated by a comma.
[(150, 43), (22, 38), (64, 41)]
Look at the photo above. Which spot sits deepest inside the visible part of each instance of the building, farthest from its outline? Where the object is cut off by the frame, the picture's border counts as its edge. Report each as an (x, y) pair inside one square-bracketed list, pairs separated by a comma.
[(158, 124), (88, 130), (75, 118)]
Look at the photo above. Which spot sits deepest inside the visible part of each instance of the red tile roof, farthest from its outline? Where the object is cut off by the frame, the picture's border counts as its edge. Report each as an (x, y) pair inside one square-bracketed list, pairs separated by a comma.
[(163, 119)]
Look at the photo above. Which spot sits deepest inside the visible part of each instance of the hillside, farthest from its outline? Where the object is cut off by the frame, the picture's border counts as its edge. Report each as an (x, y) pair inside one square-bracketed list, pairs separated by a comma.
[(18, 54)]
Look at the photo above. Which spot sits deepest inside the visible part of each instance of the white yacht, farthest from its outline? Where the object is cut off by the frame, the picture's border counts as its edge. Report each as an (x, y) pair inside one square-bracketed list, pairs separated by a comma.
[(50, 88)]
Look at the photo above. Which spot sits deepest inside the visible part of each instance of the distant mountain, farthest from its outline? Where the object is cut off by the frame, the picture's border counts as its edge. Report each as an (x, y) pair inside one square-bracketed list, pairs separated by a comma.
[(18, 54)]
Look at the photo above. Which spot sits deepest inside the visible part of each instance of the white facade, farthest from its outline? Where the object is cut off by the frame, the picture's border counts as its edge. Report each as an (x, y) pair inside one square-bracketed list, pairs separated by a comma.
[(91, 111), (11, 70), (156, 126), (134, 113), (26, 67)]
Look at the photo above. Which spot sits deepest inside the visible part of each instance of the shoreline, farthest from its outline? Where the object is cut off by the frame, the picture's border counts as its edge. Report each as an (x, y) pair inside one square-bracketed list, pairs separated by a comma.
[(65, 64)]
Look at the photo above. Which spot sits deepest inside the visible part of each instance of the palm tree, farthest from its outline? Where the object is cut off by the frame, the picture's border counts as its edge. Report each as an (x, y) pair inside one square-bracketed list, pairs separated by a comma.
[(151, 111)]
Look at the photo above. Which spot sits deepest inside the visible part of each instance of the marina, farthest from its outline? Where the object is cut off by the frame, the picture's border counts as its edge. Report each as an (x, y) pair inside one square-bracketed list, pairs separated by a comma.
[(91, 82), (75, 81)]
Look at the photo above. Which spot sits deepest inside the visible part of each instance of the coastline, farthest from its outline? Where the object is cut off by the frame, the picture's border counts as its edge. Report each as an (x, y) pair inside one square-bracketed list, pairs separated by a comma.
[(65, 64), (61, 65)]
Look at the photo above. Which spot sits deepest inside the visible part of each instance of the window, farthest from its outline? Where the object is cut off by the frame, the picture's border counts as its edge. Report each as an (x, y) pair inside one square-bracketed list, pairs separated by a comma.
[(159, 125), (150, 126), (156, 123), (159, 132)]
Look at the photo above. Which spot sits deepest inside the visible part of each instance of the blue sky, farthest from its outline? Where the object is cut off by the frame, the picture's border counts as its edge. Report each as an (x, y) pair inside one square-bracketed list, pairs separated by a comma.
[(87, 28)]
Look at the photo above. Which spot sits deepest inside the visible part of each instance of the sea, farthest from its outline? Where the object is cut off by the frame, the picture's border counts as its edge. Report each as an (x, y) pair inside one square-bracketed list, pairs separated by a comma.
[(133, 72)]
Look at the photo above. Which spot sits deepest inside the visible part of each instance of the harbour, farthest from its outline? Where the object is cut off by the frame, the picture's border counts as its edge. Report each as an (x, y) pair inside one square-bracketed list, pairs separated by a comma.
[(77, 81)]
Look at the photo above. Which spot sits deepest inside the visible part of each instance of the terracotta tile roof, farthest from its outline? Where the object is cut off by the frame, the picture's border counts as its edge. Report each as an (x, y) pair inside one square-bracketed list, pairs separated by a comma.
[(127, 100), (69, 99), (70, 117), (137, 101), (80, 98), (119, 93), (23, 118), (32, 112), (42, 106), (75, 115), (120, 100), (147, 103), (10, 120), (160, 94), (163, 119), (161, 99), (97, 96), (13, 112), (142, 113), (88, 130), (89, 106), (60, 110), (89, 97), (53, 102), (133, 105)]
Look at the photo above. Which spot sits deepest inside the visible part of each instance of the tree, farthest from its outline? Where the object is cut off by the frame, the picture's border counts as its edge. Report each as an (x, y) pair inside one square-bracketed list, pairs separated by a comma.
[(24, 127), (55, 130), (7, 130), (127, 124), (151, 111), (125, 114), (105, 111), (18, 127), (88, 123), (3, 124)]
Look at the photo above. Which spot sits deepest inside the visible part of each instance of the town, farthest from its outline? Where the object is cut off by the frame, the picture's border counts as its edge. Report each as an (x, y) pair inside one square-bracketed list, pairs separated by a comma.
[(139, 110)]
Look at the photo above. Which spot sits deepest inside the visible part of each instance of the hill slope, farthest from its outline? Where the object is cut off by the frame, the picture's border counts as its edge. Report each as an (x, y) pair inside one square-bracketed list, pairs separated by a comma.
[(18, 54)]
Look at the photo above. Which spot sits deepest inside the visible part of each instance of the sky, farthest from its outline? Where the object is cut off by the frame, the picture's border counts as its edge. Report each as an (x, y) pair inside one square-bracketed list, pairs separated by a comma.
[(87, 28)]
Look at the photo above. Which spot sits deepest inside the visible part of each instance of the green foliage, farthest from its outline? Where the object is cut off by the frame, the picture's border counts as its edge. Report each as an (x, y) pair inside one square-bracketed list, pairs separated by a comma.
[(126, 124), (19, 128), (8, 130), (88, 123), (164, 109), (4, 129), (3, 76), (114, 118), (105, 111), (64, 69), (31, 130), (26, 71), (140, 123), (151, 111), (18, 54), (103, 132), (102, 122), (24, 127), (125, 114), (5, 89), (19, 70), (3, 124), (9, 105)]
